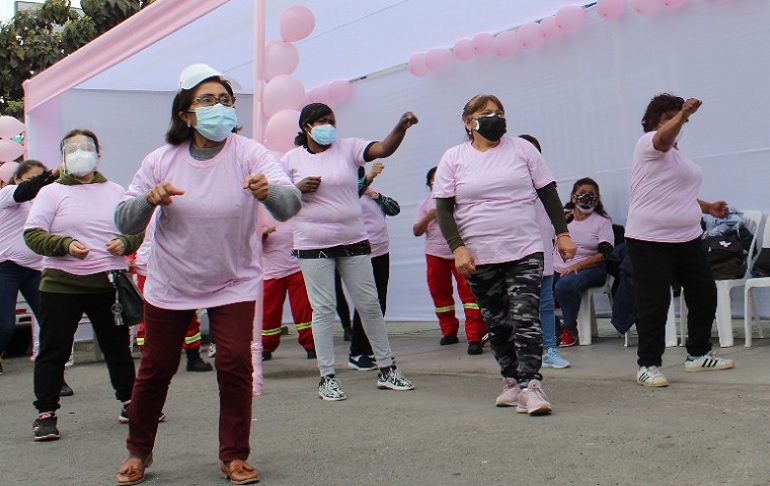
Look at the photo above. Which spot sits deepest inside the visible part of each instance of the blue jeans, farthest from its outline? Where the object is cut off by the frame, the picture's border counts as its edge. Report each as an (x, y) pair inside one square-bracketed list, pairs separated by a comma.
[(15, 278), (547, 314), (568, 290)]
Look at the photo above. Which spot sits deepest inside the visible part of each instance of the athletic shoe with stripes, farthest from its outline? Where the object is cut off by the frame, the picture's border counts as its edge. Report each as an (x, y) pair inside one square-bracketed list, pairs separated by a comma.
[(329, 389), (650, 376), (707, 362), (392, 379)]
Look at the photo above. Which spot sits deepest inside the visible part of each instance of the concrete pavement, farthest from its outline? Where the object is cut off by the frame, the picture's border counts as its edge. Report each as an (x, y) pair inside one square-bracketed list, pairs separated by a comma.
[(707, 427)]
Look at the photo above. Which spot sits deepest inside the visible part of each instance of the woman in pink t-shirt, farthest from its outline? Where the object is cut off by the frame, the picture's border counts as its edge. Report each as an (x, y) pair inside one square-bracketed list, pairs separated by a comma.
[(207, 183), (329, 235), (485, 192), (591, 230), (663, 238), (440, 268)]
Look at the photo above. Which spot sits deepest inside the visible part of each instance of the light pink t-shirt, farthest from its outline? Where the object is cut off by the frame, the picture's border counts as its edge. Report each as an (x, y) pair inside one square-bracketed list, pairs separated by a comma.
[(85, 212), (375, 225), (587, 234), (277, 261), (435, 244), (12, 218), (206, 252), (332, 215), (548, 234), (143, 253), (664, 195), (495, 196)]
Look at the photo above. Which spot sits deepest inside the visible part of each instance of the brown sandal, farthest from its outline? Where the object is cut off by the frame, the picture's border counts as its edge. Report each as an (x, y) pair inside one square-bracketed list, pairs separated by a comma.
[(239, 472), (132, 470)]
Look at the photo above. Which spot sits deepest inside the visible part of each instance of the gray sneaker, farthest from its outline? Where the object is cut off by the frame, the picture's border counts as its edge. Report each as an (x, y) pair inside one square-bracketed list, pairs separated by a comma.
[(329, 389), (393, 379)]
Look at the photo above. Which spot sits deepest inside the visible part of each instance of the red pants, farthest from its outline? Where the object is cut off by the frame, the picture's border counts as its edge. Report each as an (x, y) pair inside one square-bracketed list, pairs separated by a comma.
[(440, 271), (192, 339), (232, 326), (274, 294)]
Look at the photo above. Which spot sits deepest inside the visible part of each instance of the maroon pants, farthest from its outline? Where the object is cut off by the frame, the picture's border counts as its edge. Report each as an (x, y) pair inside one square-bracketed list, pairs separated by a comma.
[(275, 290), (440, 271), (231, 327), (192, 340)]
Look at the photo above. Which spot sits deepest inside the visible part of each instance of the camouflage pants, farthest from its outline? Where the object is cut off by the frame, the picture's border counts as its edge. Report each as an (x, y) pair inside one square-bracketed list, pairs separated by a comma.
[(509, 297)]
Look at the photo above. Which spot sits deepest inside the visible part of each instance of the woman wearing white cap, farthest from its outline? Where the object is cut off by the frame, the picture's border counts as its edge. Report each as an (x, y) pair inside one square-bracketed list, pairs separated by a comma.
[(208, 182)]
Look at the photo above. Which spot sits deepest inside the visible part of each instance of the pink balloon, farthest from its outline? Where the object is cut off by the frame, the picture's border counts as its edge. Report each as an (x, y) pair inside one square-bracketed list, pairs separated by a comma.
[(296, 23), (319, 94), (281, 129), (463, 50), (550, 29), (610, 9), (507, 43), (674, 3), (283, 92), (10, 127), (570, 18), (280, 58), (339, 90), (483, 44), (438, 59), (7, 170), (646, 7), (10, 150), (531, 36), (417, 66)]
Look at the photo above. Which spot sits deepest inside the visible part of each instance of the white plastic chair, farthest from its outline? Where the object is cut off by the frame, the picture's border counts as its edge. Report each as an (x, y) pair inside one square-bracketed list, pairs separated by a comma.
[(586, 318), (750, 311), (752, 219)]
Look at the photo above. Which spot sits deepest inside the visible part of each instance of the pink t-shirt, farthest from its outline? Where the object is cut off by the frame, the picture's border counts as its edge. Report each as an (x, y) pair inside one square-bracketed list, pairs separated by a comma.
[(332, 215), (12, 218), (143, 253), (205, 252), (277, 261), (375, 225), (85, 212), (435, 244), (587, 234), (495, 196), (664, 195), (548, 234)]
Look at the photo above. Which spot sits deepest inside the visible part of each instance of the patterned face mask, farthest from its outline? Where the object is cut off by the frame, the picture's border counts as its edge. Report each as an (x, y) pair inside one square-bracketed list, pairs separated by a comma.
[(586, 203)]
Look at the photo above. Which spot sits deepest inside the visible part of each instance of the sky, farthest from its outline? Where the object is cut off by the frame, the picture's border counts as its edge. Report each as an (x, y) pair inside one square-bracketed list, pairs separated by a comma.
[(6, 8)]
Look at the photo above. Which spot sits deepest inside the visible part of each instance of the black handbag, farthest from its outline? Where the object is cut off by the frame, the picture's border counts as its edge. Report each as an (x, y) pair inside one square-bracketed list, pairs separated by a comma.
[(128, 308)]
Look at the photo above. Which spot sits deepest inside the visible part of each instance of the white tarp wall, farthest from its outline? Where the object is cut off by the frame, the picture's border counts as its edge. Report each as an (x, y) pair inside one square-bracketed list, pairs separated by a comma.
[(583, 96)]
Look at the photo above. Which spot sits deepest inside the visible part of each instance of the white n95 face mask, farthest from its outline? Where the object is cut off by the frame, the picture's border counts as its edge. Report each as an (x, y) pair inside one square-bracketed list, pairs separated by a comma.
[(80, 162)]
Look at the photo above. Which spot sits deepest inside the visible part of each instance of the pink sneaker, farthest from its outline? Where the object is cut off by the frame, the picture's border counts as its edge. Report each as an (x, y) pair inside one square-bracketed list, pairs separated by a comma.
[(532, 400), (509, 397)]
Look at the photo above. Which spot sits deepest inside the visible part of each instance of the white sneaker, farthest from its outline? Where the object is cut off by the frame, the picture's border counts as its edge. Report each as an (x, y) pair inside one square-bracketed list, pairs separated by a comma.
[(650, 376), (212, 350), (707, 362), (329, 389)]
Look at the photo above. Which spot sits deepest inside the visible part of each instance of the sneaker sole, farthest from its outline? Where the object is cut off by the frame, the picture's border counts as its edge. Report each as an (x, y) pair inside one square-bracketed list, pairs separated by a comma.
[(361, 368), (505, 404), (549, 365), (396, 388), (332, 399), (44, 438), (704, 368), (652, 385), (543, 409)]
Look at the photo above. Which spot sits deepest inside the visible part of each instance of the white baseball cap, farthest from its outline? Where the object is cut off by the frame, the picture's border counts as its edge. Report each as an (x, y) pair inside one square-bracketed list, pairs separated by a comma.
[(193, 74), (7, 170)]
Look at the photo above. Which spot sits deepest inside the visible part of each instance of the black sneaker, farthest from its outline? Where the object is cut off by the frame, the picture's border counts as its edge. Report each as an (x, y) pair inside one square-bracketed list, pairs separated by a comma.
[(44, 427), (123, 417), (475, 348), (267, 355), (66, 390), (362, 362), (1, 367), (311, 354), (447, 340), (198, 365)]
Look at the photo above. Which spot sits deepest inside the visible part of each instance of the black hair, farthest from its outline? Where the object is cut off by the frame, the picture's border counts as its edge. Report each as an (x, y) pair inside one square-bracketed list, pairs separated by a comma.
[(80, 131), (532, 140), (659, 105), (429, 175), (587, 181), (25, 167), (309, 115), (178, 130)]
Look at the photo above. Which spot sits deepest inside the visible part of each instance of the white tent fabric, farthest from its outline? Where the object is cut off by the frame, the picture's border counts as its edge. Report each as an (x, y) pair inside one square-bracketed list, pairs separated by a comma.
[(582, 95)]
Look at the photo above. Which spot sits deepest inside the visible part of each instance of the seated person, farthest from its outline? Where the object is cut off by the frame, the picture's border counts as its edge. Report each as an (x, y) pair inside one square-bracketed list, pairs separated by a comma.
[(591, 229)]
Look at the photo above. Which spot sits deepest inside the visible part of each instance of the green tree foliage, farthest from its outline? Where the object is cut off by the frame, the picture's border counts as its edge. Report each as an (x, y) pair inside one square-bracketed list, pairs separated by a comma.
[(37, 38)]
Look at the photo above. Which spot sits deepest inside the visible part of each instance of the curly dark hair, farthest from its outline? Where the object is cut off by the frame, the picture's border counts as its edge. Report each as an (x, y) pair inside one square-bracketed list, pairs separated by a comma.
[(658, 105), (309, 115)]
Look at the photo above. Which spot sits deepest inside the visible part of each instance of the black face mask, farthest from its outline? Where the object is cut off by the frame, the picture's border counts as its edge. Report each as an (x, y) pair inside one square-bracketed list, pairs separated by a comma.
[(491, 127)]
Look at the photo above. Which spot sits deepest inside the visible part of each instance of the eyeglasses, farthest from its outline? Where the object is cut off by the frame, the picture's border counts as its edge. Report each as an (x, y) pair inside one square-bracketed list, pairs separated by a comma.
[(71, 148), (211, 100)]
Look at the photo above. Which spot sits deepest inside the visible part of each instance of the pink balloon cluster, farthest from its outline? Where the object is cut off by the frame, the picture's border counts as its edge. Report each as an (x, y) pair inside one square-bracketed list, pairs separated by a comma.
[(9, 128), (567, 20), (284, 94), (610, 9), (330, 93)]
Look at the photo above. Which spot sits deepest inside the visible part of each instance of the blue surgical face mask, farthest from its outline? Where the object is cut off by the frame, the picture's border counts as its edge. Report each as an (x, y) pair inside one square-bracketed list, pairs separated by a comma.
[(215, 122), (324, 134)]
